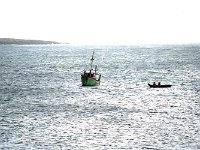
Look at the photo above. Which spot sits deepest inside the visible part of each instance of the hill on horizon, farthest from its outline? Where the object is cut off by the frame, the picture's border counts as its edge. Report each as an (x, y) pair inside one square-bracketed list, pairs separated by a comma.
[(25, 41)]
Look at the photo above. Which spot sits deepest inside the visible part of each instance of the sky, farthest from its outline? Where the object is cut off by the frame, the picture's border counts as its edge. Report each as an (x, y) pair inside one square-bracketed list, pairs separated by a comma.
[(103, 22)]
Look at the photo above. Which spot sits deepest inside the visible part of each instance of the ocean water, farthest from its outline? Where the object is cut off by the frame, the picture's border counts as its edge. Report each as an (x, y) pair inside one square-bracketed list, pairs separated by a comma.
[(44, 106)]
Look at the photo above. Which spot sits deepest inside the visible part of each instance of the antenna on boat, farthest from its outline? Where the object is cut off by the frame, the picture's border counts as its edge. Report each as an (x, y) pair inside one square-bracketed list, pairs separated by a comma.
[(95, 69), (92, 60)]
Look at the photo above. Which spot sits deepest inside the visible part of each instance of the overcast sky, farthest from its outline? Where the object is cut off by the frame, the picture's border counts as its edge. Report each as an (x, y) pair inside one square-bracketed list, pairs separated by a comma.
[(102, 21)]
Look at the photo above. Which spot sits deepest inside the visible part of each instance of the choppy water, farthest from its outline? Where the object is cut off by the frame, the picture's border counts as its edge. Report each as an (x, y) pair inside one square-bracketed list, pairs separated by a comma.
[(44, 106)]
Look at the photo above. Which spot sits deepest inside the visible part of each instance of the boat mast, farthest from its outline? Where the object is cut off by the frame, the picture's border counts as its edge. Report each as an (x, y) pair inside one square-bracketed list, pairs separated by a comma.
[(92, 60)]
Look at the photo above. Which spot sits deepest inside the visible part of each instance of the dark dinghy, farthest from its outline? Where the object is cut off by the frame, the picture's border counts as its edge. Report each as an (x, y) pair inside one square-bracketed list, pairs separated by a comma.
[(159, 86)]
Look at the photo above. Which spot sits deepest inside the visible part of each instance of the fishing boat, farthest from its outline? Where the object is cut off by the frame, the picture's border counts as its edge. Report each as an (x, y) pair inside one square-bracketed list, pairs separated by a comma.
[(91, 77), (159, 85)]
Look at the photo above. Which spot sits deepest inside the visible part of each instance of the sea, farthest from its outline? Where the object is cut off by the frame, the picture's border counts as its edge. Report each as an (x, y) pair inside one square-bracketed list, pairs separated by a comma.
[(44, 106)]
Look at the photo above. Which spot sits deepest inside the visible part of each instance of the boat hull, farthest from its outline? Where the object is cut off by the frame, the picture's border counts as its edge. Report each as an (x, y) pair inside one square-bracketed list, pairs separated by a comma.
[(159, 86), (88, 81)]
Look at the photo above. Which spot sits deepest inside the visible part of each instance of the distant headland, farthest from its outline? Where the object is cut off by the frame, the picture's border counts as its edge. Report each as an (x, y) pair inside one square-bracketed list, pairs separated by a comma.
[(24, 41)]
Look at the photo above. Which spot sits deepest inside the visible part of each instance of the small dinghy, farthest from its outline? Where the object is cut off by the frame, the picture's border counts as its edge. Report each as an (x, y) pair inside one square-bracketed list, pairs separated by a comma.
[(159, 85)]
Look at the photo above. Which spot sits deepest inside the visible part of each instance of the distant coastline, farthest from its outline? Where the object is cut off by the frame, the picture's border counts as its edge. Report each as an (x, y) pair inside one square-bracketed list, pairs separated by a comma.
[(5, 41)]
